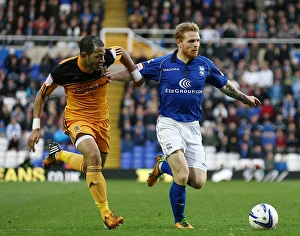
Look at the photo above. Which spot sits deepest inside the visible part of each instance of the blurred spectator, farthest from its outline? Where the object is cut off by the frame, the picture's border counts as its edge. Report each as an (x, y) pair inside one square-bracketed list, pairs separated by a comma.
[(245, 151), (220, 112), (29, 28), (150, 132), (2, 128), (73, 29), (208, 107), (281, 165), (266, 75), (18, 113), (62, 24), (13, 133), (246, 137), (288, 106), (47, 65), (276, 90), (48, 130), (127, 143), (65, 6), (232, 115), (258, 152), (86, 16), (232, 145), (24, 65), (251, 75), (11, 61), (296, 84), (254, 49), (229, 29), (40, 24), (222, 143), (267, 110), (270, 53), (27, 163), (31, 90), (139, 133), (220, 50), (11, 88), (5, 114), (23, 141), (280, 141), (292, 144), (279, 122), (126, 129), (269, 161), (22, 82), (268, 137), (209, 136), (3, 83), (27, 123), (59, 136), (74, 9), (209, 34)]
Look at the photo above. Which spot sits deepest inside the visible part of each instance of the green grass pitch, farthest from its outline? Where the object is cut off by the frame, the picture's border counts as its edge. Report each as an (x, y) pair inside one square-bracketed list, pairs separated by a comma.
[(45, 208)]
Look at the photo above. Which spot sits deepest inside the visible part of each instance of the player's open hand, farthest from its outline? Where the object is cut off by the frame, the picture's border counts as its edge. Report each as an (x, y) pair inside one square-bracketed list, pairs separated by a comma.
[(34, 139)]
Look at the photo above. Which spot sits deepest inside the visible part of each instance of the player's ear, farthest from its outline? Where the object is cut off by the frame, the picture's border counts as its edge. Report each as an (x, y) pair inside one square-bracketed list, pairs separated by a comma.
[(83, 55)]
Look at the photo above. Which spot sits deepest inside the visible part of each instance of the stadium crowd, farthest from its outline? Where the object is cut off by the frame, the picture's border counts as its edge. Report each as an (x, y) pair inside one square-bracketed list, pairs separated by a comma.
[(268, 71)]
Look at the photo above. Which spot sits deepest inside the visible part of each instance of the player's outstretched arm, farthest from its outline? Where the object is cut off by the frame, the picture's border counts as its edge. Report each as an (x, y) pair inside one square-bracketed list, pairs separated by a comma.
[(124, 76), (39, 104), (130, 65), (230, 90)]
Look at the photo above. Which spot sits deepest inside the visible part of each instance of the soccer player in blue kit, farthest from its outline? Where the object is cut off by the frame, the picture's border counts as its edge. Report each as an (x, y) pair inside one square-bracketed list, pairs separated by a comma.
[(181, 77)]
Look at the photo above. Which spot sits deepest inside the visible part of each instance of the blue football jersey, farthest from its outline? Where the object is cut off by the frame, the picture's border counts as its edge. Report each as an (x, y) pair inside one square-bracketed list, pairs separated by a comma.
[(181, 85)]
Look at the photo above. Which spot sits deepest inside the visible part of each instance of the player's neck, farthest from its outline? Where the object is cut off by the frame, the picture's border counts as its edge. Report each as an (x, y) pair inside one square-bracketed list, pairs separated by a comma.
[(83, 66), (182, 57)]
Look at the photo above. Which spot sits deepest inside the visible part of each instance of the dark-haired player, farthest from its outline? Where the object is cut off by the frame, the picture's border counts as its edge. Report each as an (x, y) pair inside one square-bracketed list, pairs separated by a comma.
[(86, 120)]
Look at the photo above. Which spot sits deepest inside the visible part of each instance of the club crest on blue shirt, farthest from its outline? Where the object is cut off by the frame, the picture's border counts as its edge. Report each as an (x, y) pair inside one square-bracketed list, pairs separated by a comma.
[(201, 70)]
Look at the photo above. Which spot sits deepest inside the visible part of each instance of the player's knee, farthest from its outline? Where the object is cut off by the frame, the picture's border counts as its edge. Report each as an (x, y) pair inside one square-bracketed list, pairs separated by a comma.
[(197, 184), (93, 159)]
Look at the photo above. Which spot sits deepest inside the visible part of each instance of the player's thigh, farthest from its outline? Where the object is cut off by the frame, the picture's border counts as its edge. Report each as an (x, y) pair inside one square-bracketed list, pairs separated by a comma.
[(99, 131), (197, 178), (89, 149), (169, 135)]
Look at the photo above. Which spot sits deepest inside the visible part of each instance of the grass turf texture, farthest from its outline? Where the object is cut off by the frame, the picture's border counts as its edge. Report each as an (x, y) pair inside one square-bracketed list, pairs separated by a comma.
[(44, 208)]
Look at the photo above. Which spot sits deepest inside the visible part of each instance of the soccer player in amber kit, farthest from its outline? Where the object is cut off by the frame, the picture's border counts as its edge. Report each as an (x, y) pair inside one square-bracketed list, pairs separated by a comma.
[(182, 76), (86, 119)]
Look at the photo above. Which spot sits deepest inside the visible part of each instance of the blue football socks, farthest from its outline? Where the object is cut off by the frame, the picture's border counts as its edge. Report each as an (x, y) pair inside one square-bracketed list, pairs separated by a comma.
[(177, 196), (165, 168)]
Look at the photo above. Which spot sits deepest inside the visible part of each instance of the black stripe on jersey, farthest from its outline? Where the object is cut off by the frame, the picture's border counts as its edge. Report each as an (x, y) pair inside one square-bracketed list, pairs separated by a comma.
[(118, 51)]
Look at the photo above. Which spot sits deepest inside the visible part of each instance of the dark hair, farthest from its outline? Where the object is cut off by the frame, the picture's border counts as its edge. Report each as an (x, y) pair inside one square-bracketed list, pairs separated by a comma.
[(88, 44)]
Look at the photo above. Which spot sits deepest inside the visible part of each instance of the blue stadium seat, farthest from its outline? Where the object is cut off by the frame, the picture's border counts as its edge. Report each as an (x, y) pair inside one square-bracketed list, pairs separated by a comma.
[(138, 163), (138, 152), (126, 160), (35, 71)]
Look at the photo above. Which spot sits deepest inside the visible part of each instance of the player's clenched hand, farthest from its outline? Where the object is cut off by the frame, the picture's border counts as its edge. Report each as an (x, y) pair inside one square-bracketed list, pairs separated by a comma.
[(252, 101), (138, 84), (34, 139), (108, 74)]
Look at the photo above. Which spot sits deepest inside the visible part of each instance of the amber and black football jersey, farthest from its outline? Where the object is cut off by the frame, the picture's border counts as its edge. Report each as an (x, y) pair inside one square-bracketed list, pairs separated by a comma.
[(86, 92)]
